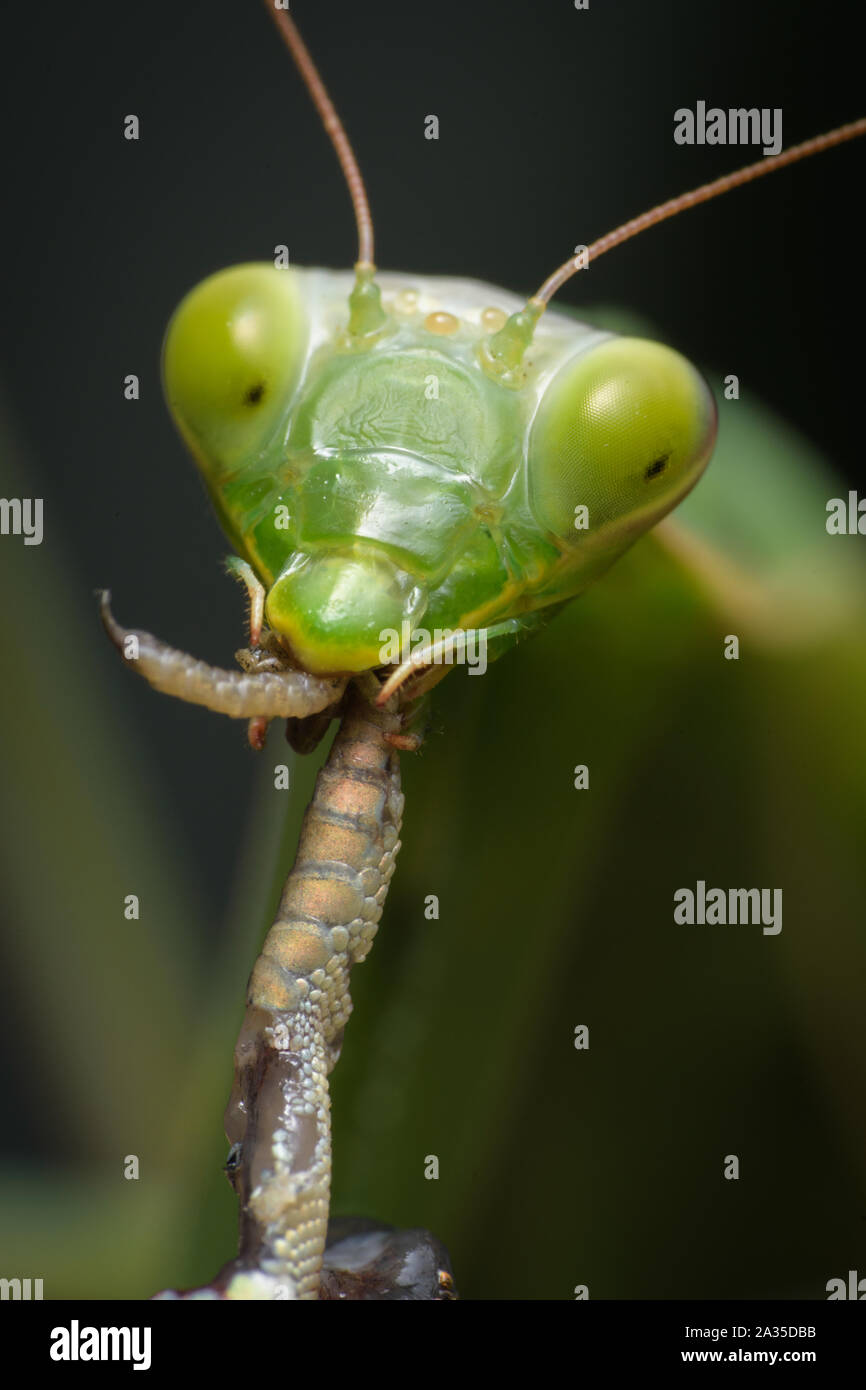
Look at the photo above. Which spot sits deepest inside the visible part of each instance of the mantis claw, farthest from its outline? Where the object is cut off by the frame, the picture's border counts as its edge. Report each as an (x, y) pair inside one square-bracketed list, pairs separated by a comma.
[(240, 570)]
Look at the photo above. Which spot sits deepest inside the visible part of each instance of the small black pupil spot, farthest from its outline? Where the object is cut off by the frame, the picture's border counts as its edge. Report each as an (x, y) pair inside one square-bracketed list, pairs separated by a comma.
[(255, 394), (657, 466)]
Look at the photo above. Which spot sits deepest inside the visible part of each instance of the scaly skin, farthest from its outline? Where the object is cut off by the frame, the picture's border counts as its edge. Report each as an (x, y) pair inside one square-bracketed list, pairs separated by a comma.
[(298, 1002)]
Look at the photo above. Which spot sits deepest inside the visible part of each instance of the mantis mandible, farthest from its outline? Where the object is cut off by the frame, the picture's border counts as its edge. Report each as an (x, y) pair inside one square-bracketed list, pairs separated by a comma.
[(404, 466)]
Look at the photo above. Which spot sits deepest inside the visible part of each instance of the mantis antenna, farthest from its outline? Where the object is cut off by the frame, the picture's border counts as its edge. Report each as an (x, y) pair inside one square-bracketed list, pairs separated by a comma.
[(336, 132), (690, 200)]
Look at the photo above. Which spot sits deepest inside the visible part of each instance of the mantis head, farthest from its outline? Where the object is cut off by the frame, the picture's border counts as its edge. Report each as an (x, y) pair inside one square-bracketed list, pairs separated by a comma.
[(365, 504), (365, 500)]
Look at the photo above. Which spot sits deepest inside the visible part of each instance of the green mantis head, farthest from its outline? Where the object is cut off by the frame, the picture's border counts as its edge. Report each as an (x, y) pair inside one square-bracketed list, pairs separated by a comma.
[(445, 457), (398, 452), (396, 477)]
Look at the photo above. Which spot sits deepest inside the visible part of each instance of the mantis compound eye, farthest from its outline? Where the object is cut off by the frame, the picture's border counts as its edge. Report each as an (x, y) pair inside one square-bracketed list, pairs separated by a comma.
[(233, 354), (624, 430)]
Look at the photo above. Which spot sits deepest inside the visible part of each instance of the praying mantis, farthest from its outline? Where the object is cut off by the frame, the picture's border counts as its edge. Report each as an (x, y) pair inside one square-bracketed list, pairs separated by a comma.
[(431, 1066), (363, 499)]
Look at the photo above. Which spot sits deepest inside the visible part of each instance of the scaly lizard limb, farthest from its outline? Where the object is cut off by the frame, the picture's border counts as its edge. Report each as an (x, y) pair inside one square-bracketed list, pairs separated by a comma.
[(278, 1116)]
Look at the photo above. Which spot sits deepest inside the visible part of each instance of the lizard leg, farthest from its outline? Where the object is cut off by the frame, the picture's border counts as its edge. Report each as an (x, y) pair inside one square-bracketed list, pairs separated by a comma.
[(298, 1003)]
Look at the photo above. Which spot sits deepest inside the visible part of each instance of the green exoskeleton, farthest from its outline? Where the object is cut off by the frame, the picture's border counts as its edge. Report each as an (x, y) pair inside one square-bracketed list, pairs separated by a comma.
[(396, 475), (399, 462)]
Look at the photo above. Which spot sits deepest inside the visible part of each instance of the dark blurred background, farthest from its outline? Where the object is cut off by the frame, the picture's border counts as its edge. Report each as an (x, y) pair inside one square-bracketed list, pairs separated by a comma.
[(555, 125)]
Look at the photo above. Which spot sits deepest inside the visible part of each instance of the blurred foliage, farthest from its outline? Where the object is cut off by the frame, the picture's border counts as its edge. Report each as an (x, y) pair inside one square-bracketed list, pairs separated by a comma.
[(557, 1166)]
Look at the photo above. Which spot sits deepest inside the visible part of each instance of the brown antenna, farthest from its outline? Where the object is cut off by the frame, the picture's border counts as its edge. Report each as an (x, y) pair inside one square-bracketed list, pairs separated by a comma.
[(334, 126), (690, 200)]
